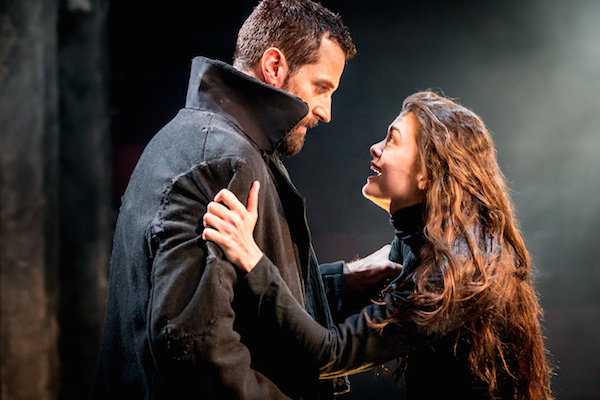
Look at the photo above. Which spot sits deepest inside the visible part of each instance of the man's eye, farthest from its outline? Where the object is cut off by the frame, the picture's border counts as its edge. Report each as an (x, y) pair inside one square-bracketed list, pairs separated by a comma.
[(320, 89)]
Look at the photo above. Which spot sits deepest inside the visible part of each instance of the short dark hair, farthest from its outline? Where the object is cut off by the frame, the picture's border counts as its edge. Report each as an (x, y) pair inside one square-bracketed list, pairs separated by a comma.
[(295, 27)]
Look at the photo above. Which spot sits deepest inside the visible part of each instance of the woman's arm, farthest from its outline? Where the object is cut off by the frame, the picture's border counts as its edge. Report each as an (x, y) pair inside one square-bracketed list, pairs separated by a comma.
[(350, 347), (231, 225)]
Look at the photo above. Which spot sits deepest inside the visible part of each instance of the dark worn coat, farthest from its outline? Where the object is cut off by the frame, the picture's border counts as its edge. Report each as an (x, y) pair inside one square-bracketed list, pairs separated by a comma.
[(174, 328)]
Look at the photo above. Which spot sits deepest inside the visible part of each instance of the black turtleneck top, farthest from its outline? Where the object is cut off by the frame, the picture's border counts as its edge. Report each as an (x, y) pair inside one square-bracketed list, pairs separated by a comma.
[(408, 225)]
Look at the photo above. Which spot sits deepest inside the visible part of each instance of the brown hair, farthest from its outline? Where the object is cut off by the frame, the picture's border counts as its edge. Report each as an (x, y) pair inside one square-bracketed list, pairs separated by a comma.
[(475, 265), (295, 27)]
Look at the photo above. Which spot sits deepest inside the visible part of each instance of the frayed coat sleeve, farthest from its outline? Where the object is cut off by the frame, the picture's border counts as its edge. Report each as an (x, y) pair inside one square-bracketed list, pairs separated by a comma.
[(193, 342)]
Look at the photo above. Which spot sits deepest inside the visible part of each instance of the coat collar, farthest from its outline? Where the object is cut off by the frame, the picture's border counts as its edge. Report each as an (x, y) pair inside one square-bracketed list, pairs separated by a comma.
[(265, 114)]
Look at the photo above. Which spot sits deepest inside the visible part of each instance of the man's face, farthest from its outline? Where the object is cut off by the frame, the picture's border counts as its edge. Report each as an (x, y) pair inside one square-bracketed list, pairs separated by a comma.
[(314, 84)]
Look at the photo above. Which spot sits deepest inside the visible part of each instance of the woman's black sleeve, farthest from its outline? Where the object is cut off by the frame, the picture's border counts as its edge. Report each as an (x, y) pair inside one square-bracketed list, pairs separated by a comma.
[(350, 347)]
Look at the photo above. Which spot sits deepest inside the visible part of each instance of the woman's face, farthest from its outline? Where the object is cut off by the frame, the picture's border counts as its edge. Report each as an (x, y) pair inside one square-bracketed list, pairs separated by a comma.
[(399, 182)]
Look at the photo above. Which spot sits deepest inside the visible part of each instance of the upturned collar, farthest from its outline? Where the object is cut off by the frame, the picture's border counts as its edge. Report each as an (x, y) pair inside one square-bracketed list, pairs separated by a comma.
[(265, 114)]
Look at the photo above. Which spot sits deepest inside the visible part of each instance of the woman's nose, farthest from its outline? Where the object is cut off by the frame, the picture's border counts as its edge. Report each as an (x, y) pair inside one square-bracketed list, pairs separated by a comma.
[(376, 149)]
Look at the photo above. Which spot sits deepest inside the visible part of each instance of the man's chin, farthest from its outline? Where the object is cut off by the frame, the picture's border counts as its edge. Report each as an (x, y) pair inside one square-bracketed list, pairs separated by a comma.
[(301, 130), (293, 142)]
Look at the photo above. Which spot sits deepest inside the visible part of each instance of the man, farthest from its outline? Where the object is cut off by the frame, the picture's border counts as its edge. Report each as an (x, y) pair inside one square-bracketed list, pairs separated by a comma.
[(174, 328)]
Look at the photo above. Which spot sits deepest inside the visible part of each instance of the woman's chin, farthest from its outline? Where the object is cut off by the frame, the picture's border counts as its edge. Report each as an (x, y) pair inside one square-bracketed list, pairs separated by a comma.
[(378, 201), (366, 192)]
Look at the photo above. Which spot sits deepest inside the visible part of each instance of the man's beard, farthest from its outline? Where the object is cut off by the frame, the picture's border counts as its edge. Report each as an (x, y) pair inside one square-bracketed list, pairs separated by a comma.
[(294, 140)]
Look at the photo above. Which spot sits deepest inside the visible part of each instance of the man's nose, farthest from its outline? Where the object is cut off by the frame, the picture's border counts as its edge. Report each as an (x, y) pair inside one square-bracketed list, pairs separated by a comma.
[(323, 111)]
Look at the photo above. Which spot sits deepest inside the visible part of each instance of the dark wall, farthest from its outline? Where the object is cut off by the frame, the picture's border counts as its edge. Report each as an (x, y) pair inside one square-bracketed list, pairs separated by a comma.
[(86, 213), (55, 195), (29, 143)]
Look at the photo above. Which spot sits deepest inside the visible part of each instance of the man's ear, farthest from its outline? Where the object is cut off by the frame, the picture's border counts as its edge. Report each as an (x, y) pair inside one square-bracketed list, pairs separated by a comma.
[(274, 67)]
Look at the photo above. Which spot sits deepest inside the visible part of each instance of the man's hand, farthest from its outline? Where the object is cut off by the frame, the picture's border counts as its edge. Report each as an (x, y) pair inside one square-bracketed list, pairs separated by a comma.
[(372, 269)]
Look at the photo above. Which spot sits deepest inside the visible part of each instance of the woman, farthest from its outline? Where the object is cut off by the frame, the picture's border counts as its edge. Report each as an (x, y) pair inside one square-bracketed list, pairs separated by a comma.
[(463, 314)]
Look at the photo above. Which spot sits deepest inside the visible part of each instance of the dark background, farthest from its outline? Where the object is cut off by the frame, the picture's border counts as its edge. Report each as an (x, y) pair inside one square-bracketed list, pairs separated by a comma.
[(84, 84), (531, 69)]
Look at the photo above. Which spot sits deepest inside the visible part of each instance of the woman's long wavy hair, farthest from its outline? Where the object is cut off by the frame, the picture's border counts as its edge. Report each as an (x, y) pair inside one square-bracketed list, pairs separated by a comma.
[(475, 265)]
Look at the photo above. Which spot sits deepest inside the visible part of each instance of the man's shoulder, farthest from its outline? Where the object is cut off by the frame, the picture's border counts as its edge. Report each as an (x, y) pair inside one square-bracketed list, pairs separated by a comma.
[(215, 136)]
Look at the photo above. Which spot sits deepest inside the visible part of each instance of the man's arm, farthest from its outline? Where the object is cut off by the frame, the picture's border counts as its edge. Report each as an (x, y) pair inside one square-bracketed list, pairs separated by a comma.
[(351, 286), (193, 343), (363, 273)]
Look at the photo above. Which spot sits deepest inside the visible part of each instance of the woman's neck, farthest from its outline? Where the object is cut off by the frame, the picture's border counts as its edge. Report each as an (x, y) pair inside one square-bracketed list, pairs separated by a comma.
[(408, 223)]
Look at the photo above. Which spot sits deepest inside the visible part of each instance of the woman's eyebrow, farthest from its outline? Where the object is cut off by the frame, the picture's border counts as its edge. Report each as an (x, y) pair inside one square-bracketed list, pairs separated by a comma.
[(394, 127)]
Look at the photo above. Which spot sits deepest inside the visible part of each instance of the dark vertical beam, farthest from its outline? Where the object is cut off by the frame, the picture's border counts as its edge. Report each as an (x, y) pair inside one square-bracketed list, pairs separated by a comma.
[(29, 241), (85, 196)]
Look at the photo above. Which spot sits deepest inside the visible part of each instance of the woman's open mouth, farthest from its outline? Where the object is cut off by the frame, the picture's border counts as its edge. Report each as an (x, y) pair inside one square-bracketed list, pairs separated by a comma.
[(375, 169)]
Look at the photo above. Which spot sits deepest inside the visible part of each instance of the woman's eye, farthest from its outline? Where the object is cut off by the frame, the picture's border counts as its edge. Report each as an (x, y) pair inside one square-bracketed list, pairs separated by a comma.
[(392, 136)]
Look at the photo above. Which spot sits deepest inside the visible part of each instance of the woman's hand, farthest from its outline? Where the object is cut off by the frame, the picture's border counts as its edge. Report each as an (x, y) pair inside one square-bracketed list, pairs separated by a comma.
[(231, 225)]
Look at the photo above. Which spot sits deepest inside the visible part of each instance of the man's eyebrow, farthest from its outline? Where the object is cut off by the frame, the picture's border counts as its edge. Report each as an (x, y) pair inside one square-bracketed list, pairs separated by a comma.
[(325, 83)]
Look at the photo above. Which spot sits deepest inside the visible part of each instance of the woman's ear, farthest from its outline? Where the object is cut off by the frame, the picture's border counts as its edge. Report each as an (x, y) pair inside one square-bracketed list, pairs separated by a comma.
[(274, 66), (423, 181)]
